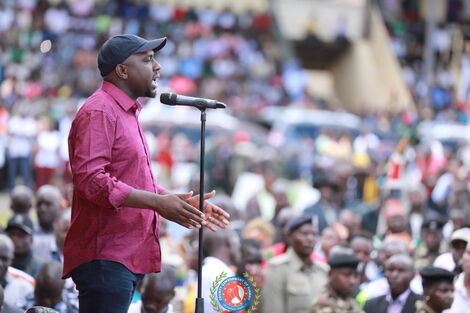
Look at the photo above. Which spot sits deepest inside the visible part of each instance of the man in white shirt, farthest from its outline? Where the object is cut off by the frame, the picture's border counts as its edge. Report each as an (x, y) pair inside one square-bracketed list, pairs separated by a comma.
[(399, 271), (21, 131), (16, 284), (461, 301), (222, 249)]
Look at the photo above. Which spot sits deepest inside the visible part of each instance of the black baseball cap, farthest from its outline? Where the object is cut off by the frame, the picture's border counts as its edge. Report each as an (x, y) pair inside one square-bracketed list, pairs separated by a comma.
[(118, 48), (21, 221)]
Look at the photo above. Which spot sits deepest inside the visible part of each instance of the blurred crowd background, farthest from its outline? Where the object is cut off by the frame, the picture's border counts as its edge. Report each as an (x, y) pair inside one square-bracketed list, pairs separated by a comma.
[(293, 141)]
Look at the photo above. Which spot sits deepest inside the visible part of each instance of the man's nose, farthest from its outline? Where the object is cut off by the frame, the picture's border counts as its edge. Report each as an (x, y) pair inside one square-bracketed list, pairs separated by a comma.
[(156, 65)]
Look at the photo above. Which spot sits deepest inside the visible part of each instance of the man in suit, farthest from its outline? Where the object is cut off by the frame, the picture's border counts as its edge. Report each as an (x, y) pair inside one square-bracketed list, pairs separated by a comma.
[(399, 271)]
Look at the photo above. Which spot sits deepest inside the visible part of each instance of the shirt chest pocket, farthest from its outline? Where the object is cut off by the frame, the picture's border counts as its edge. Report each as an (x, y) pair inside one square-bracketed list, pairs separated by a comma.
[(298, 284), (128, 145)]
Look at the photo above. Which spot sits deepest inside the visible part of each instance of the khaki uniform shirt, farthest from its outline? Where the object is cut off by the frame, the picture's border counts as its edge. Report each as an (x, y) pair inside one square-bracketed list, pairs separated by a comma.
[(422, 258), (330, 303), (290, 286)]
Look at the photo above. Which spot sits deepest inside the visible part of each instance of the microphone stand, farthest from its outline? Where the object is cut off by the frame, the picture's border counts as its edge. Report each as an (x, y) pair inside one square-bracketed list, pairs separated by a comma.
[(200, 299)]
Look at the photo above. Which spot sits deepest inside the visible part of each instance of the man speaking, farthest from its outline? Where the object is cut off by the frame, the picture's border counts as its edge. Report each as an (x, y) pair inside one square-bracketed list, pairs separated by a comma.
[(113, 237)]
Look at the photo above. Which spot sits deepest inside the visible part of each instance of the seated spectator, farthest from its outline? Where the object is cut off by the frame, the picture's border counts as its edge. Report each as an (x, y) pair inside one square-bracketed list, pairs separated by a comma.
[(20, 230), (399, 271), (49, 291), (438, 290), (157, 291), (61, 227), (21, 198), (343, 280), (16, 284), (48, 209)]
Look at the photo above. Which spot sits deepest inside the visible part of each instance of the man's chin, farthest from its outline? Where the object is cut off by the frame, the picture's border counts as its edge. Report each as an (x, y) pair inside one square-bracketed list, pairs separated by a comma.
[(151, 93)]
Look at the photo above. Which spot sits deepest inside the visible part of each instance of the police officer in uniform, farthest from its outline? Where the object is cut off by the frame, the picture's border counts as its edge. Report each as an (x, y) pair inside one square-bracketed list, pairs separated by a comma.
[(293, 279), (438, 290), (343, 281), (431, 247)]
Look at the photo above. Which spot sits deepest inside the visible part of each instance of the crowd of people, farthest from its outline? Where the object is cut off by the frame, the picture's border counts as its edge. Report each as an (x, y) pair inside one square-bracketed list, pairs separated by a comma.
[(339, 226)]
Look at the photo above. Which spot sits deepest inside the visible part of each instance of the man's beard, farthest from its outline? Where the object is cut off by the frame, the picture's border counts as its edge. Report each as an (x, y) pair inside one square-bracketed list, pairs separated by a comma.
[(151, 93)]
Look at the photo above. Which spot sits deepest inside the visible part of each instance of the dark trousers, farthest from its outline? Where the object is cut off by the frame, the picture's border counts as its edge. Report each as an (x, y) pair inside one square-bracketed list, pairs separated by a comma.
[(19, 165), (104, 286)]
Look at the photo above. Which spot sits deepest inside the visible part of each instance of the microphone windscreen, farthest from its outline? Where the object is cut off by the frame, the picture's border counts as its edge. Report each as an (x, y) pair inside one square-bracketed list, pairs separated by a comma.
[(168, 98)]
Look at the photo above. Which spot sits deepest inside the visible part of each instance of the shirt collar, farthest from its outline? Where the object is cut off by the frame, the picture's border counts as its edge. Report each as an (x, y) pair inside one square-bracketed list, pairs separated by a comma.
[(297, 263), (124, 101), (401, 298)]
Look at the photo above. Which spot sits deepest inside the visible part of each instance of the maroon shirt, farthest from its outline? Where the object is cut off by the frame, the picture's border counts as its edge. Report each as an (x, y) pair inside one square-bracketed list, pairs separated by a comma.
[(109, 157)]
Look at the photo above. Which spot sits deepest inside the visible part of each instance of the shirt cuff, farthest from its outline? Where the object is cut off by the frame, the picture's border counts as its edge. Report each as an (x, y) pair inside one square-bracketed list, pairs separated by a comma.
[(119, 193)]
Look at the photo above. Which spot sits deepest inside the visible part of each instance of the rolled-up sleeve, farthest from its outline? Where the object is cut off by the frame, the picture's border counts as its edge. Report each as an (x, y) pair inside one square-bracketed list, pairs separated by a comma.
[(90, 147)]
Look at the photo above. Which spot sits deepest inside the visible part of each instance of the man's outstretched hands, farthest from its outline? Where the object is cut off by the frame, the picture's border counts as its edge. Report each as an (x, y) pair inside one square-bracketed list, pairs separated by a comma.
[(180, 208), (214, 215)]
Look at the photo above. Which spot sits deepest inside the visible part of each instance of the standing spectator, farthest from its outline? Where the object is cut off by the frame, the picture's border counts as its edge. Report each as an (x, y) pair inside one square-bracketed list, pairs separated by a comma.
[(327, 208), (48, 209), (438, 290), (399, 271), (343, 280), (221, 251), (451, 260), (157, 291), (3, 140), (378, 286), (461, 302), (47, 156), (362, 247), (251, 260), (426, 253), (293, 279), (20, 230), (21, 131)]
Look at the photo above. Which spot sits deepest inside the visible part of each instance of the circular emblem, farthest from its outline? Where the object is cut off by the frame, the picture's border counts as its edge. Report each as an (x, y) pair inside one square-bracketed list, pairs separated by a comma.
[(234, 293)]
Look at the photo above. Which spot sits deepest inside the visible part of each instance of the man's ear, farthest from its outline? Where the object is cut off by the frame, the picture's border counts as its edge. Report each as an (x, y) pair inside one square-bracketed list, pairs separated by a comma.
[(121, 71)]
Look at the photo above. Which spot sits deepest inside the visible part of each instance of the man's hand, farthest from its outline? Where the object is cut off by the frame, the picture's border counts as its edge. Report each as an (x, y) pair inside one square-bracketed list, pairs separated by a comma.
[(176, 208), (214, 215), (180, 208)]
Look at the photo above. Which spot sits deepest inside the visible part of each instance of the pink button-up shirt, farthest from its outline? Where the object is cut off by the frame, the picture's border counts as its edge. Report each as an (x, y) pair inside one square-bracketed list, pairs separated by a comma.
[(109, 157)]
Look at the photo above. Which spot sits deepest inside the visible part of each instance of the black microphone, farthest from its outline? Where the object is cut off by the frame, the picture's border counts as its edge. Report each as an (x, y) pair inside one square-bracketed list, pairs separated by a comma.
[(200, 103)]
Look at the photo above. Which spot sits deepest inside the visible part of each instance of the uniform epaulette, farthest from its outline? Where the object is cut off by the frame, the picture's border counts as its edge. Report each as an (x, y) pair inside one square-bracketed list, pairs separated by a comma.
[(322, 266), (280, 259)]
